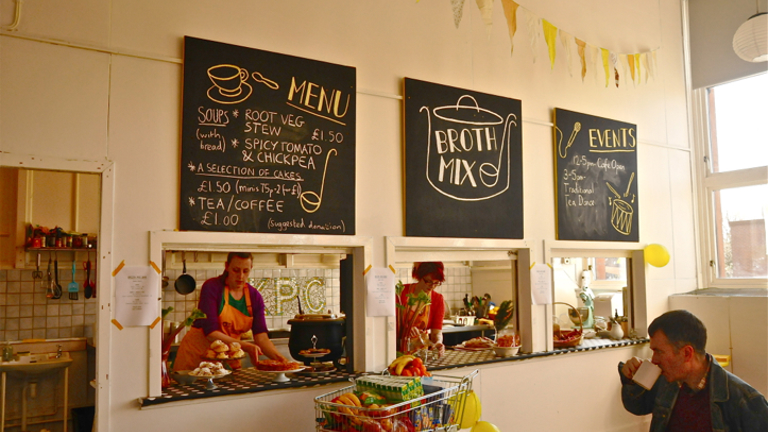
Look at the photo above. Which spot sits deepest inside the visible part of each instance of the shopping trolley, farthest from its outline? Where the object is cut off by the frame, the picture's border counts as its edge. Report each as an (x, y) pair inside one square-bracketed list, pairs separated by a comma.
[(440, 409)]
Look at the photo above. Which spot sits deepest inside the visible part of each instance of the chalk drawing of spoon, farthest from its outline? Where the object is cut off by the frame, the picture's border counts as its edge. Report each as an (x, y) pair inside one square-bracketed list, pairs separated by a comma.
[(258, 77), (310, 200), (563, 152)]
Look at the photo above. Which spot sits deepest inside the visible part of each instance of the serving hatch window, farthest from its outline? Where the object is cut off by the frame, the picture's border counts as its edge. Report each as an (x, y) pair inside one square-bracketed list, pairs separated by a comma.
[(289, 283), (592, 292)]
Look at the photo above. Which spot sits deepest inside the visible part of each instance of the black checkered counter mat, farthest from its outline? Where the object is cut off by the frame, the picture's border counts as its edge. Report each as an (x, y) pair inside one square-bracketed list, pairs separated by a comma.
[(246, 380), (250, 380), (459, 358)]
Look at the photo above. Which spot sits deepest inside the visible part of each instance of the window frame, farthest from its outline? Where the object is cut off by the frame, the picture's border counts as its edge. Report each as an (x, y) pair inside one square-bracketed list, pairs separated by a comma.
[(707, 182)]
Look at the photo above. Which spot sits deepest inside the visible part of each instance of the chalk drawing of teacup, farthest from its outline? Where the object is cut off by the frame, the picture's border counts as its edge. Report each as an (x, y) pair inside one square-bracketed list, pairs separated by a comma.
[(229, 84)]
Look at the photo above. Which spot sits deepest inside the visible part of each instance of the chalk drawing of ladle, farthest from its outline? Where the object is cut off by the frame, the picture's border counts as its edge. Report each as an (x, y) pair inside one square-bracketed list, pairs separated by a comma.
[(310, 200), (489, 173)]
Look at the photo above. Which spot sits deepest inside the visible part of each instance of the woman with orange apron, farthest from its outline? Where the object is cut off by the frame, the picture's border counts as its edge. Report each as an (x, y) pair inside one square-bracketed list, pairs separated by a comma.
[(232, 307)]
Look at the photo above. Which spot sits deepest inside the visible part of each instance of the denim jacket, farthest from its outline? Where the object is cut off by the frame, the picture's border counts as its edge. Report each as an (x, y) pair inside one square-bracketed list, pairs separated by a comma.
[(735, 405)]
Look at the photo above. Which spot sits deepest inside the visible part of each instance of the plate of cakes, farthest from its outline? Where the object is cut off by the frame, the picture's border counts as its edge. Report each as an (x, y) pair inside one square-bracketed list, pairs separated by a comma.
[(209, 371), (314, 352), (279, 368), (220, 350)]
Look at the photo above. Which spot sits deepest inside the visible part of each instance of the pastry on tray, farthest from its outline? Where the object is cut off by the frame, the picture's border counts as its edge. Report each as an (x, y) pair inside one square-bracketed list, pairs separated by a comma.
[(313, 351), (478, 343), (208, 369), (219, 346), (237, 354), (234, 346)]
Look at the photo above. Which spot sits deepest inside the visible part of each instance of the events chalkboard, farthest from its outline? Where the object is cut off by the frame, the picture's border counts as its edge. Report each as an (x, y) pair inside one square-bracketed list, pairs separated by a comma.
[(595, 178), (268, 142), (463, 163)]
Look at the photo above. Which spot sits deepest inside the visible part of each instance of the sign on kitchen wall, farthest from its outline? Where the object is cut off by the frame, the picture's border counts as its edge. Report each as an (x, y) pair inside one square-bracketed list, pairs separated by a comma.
[(595, 178), (463, 163), (268, 142)]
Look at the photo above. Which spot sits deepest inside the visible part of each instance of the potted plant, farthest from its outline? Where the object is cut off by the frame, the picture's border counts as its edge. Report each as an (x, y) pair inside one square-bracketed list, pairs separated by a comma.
[(501, 320)]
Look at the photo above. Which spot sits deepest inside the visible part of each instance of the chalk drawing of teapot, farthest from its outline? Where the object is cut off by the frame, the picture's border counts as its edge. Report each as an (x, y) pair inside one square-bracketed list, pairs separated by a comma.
[(468, 152)]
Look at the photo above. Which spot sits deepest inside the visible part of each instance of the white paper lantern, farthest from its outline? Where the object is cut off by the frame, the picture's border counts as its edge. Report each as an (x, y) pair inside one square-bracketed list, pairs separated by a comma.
[(751, 39)]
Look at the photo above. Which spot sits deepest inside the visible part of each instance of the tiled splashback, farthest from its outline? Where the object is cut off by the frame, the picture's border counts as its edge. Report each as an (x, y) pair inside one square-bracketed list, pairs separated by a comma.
[(26, 313), (318, 290), (458, 282)]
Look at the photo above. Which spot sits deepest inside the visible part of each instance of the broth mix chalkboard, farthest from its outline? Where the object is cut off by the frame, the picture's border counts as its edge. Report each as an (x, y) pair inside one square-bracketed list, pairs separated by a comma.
[(268, 142), (463, 163), (595, 178)]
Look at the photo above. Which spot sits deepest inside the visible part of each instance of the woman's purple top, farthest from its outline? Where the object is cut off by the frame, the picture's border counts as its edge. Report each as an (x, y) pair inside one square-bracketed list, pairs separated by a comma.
[(210, 299)]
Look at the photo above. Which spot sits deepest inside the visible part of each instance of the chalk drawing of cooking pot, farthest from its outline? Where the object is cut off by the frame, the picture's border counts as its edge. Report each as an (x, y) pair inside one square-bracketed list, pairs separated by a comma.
[(468, 155)]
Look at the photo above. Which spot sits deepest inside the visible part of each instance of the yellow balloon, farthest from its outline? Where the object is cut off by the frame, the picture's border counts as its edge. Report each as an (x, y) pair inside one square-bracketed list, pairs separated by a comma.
[(484, 426), (656, 255), (472, 410)]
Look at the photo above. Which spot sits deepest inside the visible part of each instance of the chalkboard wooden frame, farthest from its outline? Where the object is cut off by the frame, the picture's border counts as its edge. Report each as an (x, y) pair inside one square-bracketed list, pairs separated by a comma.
[(268, 142), (462, 163), (595, 172)]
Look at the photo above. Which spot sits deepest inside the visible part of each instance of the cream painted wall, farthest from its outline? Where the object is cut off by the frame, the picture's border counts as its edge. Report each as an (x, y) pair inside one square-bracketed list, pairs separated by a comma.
[(121, 103)]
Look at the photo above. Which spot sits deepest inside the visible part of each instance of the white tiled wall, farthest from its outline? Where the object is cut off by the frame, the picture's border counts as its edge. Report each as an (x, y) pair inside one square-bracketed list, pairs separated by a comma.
[(458, 282), (26, 312), (183, 305)]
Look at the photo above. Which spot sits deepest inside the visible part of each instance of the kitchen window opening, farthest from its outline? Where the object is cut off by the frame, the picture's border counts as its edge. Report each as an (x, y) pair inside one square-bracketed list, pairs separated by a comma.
[(478, 274), (591, 295), (603, 288), (296, 261)]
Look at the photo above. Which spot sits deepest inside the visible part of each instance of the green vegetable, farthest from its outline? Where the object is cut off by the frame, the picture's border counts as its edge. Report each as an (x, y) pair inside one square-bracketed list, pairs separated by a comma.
[(195, 315), (504, 314)]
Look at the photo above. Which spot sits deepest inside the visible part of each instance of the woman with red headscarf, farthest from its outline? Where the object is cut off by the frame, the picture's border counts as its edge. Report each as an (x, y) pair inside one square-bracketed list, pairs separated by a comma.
[(428, 327)]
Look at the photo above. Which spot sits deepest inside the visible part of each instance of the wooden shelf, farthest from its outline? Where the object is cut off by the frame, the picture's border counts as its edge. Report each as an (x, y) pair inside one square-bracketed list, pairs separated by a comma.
[(43, 249)]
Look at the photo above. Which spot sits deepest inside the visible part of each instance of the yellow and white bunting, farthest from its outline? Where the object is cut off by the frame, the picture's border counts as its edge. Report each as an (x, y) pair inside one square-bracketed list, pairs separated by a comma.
[(638, 67)]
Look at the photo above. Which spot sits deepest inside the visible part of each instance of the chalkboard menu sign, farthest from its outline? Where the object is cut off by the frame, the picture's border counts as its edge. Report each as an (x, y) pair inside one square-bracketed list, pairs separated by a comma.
[(268, 142), (463, 163), (595, 178)]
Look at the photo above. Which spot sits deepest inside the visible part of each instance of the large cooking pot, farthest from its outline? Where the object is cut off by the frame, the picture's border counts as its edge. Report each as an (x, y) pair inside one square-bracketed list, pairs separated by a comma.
[(330, 332), (468, 150)]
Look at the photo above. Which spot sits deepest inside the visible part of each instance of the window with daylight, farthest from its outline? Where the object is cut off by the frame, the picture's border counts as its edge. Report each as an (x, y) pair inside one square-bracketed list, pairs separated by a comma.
[(734, 175)]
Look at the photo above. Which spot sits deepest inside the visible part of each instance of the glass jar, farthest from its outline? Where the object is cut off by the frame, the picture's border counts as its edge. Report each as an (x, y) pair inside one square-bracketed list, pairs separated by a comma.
[(7, 352), (507, 337)]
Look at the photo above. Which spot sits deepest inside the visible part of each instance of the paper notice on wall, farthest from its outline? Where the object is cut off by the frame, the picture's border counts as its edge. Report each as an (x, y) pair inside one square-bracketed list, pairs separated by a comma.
[(541, 284), (380, 285), (136, 296)]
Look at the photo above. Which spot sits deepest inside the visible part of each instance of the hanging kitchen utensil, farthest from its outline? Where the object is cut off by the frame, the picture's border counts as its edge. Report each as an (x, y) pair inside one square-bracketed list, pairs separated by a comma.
[(95, 274), (49, 293), (73, 286), (37, 274), (87, 289), (185, 283), (57, 291), (165, 278)]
